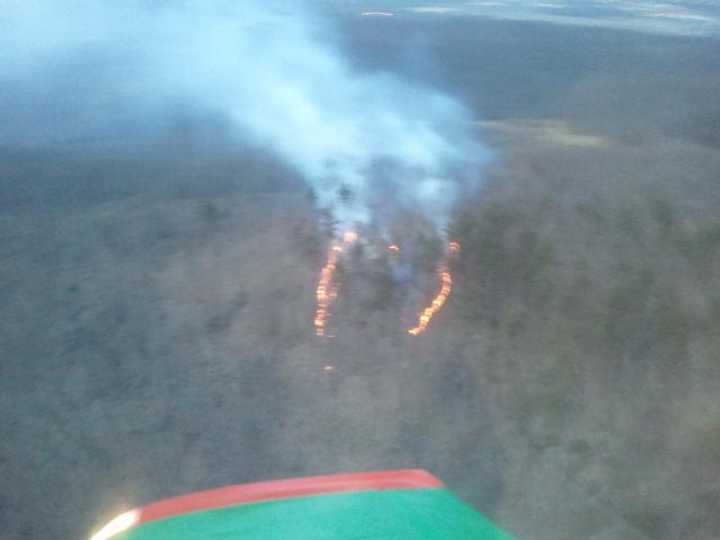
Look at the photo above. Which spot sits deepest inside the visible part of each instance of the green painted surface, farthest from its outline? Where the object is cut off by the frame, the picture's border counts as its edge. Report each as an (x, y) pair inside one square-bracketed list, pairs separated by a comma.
[(412, 514)]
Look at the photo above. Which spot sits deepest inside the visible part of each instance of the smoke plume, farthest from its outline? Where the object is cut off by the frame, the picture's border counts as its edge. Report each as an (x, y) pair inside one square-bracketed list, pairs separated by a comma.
[(364, 141)]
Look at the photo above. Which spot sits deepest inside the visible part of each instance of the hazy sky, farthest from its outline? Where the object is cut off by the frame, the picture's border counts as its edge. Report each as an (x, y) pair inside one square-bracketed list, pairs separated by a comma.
[(699, 17)]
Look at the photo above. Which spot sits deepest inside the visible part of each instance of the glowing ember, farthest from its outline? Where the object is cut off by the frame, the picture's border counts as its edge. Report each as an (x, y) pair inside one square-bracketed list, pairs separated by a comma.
[(326, 290), (436, 305)]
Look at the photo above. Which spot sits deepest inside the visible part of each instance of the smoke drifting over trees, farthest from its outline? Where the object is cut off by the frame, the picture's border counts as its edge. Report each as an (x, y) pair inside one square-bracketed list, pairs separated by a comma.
[(273, 74), (157, 299)]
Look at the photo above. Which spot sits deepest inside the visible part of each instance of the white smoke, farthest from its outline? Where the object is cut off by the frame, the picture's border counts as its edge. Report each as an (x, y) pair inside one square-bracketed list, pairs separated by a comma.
[(268, 67)]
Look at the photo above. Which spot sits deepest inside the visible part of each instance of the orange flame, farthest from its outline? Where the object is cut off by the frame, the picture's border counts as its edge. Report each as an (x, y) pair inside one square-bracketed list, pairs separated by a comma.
[(326, 290), (429, 312), (436, 305)]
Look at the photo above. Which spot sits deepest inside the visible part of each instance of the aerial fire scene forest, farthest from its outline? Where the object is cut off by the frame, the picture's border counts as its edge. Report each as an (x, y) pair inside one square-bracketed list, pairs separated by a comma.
[(470, 249)]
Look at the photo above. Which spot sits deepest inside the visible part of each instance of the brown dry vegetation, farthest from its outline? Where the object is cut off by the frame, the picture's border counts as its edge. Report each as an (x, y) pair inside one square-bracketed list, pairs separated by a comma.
[(569, 389)]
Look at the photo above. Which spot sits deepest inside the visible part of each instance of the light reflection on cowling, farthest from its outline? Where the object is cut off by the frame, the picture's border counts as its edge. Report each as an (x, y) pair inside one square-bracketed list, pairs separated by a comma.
[(117, 525)]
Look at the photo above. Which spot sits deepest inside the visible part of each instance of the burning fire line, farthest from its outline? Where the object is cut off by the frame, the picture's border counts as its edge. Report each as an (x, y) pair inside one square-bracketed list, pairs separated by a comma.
[(326, 291), (429, 312), (436, 305)]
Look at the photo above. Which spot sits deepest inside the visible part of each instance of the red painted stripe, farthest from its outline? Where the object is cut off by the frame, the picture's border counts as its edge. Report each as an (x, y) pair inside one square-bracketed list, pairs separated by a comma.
[(284, 489)]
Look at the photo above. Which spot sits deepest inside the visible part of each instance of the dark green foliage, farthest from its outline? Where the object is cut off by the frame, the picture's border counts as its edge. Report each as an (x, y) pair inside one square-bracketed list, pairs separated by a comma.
[(383, 285), (504, 263)]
